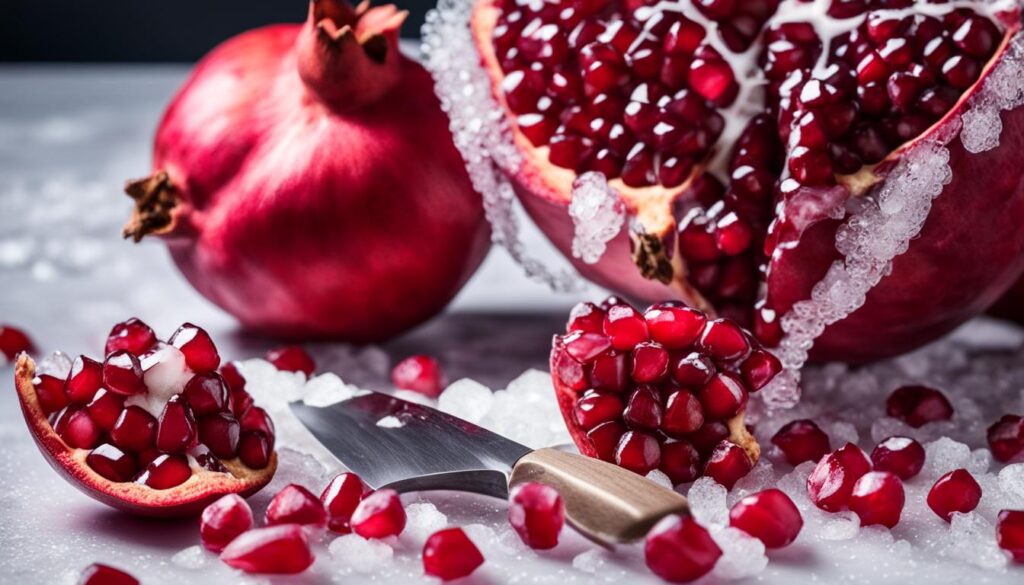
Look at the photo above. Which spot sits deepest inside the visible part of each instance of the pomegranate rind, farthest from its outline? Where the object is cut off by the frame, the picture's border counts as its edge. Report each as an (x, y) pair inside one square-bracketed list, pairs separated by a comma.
[(188, 499)]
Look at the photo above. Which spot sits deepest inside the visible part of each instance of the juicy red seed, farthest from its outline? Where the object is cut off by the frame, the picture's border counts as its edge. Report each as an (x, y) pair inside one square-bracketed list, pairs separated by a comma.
[(960, 71), (732, 235), (877, 498), (650, 362), (1010, 533), (770, 516), (604, 438), (50, 393), (132, 336), (638, 452), (608, 372), (100, 574), (976, 36), (586, 317), (708, 437), (295, 504), (206, 394), (379, 515), (292, 358), (584, 347), (449, 554), (713, 79), (802, 440), (240, 399), (767, 325), (594, 408), (1006, 439), (165, 472), (13, 341), (223, 521), (340, 499), (811, 167), (419, 373), (282, 549), (683, 414), (902, 456), (220, 433), (625, 327), (696, 238), (176, 431), (84, 379), (680, 461), (200, 353), (254, 449), (728, 464), (105, 408), (724, 340), (956, 491), (723, 397), (644, 409), (257, 419), (569, 371), (674, 327), (693, 371), (112, 463), (918, 405), (831, 483), (122, 373), (759, 369), (77, 429), (679, 550), (134, 430), (537, 514)]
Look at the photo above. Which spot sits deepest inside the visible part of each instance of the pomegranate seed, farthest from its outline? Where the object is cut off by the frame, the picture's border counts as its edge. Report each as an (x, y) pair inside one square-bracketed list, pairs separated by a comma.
[(960, 72), (831, 483), (132, 336), (50, 393), (1006, 439), (569, 371), (693, 371), (594, 408), (638, 452), (105, 408), (724, 396), (200, 353), (257, 419), (956, 491), (220, 433), (122, 373), (770, 516), (728, 464), (295, 504), (683, 414), (680, 461), (650, 362), (643, 410), (240, 400), (112, 463), (84, 379), (877, 498), (604, 438), (449, 554), (759, 368), (76, 428), (340, 499), (708, 437), (100, 574), (586, 317), (977, 37), (223, 520), (724, 340), (537, 514), (732, 235), (13, 341), (584, 347), (900, 455), (419, 373), (379, 515), (679, 550), (165, 472), (292, 358), (206, 394), (918, 405), (696, 240), (1010, 533), (134, 430), (176, 431), (608, 372), (811, 167), (802, 440), (281, 549), (254, 449), (625, 327), (713, 79)]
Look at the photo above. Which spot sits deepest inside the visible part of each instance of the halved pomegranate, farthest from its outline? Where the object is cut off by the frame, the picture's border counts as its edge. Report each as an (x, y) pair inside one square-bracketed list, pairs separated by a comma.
[(664, 389), (774, 157), (154, 429)]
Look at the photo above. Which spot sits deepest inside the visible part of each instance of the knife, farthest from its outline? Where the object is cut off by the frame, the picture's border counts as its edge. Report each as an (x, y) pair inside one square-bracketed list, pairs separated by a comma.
[(408, 447)]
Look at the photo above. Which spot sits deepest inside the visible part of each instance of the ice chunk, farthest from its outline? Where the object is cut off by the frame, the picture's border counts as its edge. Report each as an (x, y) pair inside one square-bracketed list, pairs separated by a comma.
[(57, 364), (597, 213), (165, 374), (390, 422), (742, 554), (841, 432), (944, 455), (707, 500), (354, 552), (970, 539), (327, 389), (839, 526), (422, 520), (467, 399), (1011, 481), (590, 561), (659, 478), (192, 558)]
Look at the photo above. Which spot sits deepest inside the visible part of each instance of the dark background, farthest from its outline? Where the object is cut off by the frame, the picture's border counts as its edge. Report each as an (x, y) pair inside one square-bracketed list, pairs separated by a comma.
[(144, 30)]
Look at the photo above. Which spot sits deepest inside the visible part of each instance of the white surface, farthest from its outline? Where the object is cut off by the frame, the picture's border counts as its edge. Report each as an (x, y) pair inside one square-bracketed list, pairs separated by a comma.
[(69, 138)]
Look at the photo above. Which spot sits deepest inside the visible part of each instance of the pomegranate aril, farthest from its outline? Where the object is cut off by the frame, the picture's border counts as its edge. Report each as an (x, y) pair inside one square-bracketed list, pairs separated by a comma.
[(50, 393), (449, 554), (132, 336), (643, 409), (679, 550), (254, 449), (956, 491), (1010, 533), (282, 549), (724, 340), (134, 430), (220, 433), (240, 399), (76, 428), (568, 371), (340, 499), (13, 341), (918, 405), (100, 574), (811, 167), (165, 472), (1006, 439), (604, 439), (960, 72), (594, 408), (176, 431), (586, 317), (292, 358), (638, 452), (713, 78), (683, 414), (112, 463), (706, 438), (759, 368), (207, 394), (693, 371), (674, 326), (831, 483), (122, 373), (584, 347), (84, 379), (802, 440), (608, 372), (650, 362), (877, 498), (537, 514), (257, 419), (697, 239), (379, 515), (723, 397), (728, 464), (223, 521), (770, 516), (976, 36), (902, 456), (680, 461), (419, 373), (295, 504), (200, 353)]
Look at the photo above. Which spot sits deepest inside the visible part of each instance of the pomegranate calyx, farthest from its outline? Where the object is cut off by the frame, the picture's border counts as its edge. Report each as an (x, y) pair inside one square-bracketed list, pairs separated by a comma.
[(155, 201)]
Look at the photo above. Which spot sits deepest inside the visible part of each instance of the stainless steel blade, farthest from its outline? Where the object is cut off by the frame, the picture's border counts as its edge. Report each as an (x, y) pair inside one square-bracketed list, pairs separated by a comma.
[(394, 443)]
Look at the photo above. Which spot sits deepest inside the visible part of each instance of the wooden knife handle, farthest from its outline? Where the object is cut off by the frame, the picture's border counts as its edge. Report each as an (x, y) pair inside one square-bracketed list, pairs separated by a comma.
[(604, 502)]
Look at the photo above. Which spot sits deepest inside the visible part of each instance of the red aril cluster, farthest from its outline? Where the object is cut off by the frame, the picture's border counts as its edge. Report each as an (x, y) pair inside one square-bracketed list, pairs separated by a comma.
[(656, 390), (292, 358), (340, 499), (449, 554), (802, 440), (770, 516), (1006, 439), (831, 483), (13, 341), (918, 405), (679, 550), (900, 455), (537, 514), (100, 574), (877, 498), (956, 491), (419, 373)]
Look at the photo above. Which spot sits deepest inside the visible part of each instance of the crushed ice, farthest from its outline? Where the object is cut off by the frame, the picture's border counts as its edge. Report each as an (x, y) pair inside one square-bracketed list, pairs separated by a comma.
[(597, 213)]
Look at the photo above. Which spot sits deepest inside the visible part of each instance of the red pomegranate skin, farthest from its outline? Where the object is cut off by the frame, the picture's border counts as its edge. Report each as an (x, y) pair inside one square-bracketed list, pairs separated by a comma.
[(319, 192)]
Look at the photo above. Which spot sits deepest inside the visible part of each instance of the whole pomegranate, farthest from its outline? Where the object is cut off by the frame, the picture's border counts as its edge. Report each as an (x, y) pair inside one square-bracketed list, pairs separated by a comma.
[(829, 173), (305, 181)]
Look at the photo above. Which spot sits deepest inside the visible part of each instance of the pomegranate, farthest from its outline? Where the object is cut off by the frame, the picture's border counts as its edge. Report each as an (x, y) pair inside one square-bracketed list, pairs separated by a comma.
[(662, 389), (679, 550), (340, 499), (770, 516), (831, 483), (877, 498), (100, 574), (12, 342), (379, 515), (956, 491), (802, 440), (319, 194), (419, 373), (1010, 533), (1006, 439), (280, 549), (902, 456), (223, 520), (449, 554), (155, 433), (537, 514), (760, 148), (295, 504), (918, 405)]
